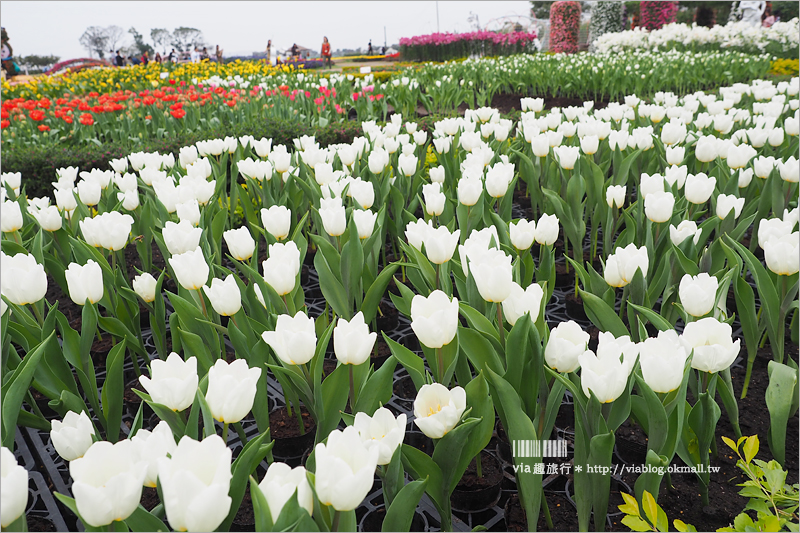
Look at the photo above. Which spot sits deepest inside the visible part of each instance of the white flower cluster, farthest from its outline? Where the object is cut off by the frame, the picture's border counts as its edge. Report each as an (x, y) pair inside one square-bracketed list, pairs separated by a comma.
[(780, 37), (607, 17)]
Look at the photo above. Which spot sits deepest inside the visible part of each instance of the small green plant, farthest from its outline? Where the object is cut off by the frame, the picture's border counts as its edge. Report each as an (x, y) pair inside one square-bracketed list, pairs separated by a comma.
[(654, 519), (774, 502)]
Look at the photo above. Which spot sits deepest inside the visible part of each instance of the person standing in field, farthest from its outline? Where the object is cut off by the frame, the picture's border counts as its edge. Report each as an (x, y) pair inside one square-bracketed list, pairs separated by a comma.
[(218, 54), (269, 51), (326, 51)]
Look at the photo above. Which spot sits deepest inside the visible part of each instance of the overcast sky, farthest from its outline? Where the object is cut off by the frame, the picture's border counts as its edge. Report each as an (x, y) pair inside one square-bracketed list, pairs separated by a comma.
[(54, 28)]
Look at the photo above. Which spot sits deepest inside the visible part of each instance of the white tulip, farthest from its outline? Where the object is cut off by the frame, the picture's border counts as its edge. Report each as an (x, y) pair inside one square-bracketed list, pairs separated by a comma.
[(438, 410), (698, 293), (662, 360), (173, 382), (182, 237), (698, 188), (241, 244), (23, 280), (280, 483), (345, 469), (225, 296), (782, 254), (85, 282), (294, 340), (10, 217), (277, 220), (14, 487), (231, 390), (382, 431), (711, 343), (683, 231), (149, 447), (434, 319), (521, 301), (191, 269), (72, 436), (282, 266), (621, 266), (440, 244), (522, 233), (365, 222), (352, 341), (728, 202), (658, 206), (567, 341), (107, 482), (615, 195), (195, 483), (145, 286), (547, 229)]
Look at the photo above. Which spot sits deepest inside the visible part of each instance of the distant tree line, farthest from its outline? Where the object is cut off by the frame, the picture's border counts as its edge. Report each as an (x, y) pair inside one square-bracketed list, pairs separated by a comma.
[(103, 42)]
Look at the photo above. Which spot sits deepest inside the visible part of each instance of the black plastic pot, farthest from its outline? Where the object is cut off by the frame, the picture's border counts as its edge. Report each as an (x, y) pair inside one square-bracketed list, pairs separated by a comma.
[(474, 494)]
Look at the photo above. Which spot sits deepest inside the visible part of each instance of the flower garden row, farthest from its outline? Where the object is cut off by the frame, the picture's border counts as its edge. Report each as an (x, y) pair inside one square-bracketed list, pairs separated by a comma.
[(666, 194), (781, 39), (129, 104)]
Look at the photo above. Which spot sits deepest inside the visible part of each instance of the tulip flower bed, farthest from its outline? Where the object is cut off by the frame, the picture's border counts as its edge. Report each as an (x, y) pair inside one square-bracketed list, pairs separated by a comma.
[(498, 324), (124, 106)]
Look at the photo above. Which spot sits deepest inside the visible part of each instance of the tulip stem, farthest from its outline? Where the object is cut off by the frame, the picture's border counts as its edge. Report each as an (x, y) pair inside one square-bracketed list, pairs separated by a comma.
[(285, 304), (352, 390), (468, 208), (202, 302), (37, 314), (436, 285), (500, 324), (225, 433), (440, 364), (17, 238), (335, 525)]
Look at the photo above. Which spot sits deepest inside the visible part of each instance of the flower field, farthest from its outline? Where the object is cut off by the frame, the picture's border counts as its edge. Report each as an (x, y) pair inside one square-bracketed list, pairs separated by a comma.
[(510, 322)]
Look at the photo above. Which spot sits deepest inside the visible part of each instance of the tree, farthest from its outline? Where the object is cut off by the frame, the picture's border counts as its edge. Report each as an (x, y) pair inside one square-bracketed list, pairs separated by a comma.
[(39, 61), (185, 39), (95, 40), (115, 35), (138, 42), (161, 38)]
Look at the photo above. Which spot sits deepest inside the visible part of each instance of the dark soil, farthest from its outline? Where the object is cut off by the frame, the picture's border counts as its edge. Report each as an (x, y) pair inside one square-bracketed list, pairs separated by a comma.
[(245, 519), (419, 440), (404, 388), (506, 103), (373, 521), (492, 474), (562, 512), (282, 426), (383, 353), (149, 498), (387, 317), (38, 523)]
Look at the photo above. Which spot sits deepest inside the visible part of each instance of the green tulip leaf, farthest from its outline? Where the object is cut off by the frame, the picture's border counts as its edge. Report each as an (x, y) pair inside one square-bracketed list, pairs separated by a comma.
[(243, 468), (14, 389), (400, 513), (332, 289), (375, 292), (413, 363), (779, 396), (377, 390), (260, 507), (419, 465), (602, 315), (113, 386), (141, 520), (519, 429)]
